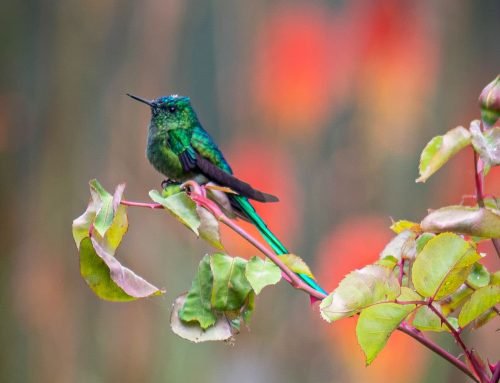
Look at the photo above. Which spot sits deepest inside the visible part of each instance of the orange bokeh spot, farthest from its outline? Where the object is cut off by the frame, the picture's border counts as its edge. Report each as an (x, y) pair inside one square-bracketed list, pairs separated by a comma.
[(269, 169), (353, 245), (293, 65)]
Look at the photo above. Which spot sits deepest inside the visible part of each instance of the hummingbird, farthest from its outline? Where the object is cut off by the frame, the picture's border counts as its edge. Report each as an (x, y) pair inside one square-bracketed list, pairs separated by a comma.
[(179, 148)]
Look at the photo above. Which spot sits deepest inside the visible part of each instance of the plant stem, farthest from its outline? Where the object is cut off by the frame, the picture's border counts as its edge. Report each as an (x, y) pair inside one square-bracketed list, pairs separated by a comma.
[(419, 337), (141, 204), (459, 340)]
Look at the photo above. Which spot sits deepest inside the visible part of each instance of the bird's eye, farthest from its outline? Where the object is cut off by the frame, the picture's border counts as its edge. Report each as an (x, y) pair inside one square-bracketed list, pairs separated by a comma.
[(172, 109)]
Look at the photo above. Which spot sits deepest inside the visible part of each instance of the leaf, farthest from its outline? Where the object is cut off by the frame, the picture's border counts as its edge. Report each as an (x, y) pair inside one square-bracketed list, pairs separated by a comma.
[(480, 301), (220, 330), (197, 306), (230, 287), (261, 273), (81, 225), (455, 300), (422, 240), (401, 246), (485, 318), (358, 290), (105, 212), (426, 320), (296, 264), (479, 276), (473, 221), (440, 149), (486, 144), (108, 278), (209, 228), (402, 225), (181, 207), (443, 265), (249, 307), (376, 323), (388, 261)]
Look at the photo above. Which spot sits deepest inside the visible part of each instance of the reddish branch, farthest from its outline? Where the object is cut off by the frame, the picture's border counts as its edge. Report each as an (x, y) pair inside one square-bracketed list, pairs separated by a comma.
[(198, 194)]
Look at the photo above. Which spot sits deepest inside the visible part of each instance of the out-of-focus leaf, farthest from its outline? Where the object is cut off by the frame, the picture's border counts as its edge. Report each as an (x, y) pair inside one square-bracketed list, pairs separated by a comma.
[(479, 276), (261, 273), (480, 301), (197, 306), (249, 307), (479, 222), (170, 189), (296, 264), (455, 300), (402, 225), (485, 318), (181, 207), (426, 320), (220, 330), (376, 323), (440, 149), (495, 278), (388, 261), (209, 228), (401, 246), (230, 286), (81, 225), (487, 144), (108, 278), (360, 289), (443, 265), (422, 240)]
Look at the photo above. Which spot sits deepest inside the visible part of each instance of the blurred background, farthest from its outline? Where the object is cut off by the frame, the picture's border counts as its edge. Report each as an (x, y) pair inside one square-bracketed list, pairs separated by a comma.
[(325, 103)]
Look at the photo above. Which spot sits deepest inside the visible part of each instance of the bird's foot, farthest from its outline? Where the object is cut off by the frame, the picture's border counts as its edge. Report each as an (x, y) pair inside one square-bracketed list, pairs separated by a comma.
[(168, 182)]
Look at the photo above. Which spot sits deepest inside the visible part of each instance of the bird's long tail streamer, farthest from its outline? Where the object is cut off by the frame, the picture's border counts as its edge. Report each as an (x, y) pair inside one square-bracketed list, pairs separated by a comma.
[(270, 238)]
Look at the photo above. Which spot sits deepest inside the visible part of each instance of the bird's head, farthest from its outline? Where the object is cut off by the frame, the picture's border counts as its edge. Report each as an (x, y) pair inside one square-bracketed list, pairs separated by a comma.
[(170, 112)]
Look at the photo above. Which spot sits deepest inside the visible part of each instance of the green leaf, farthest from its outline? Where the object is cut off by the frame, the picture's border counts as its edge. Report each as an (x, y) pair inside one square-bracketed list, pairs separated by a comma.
[(261, 273), (402, 225), (485, 318), (108, 278), (440, 149), (296, 264), (388, 261), (443, 265), (376, 323), (495, 278), (422, 240), (401, 246), (181, 207), (230, 287), (249, 307), (486, 144), (197, 306), (358, 290), (480, 301), (82, 224), (426, 320), (455, 300), (473, 221), (209, 228), (105, 211), (479, 276), (220, 330)]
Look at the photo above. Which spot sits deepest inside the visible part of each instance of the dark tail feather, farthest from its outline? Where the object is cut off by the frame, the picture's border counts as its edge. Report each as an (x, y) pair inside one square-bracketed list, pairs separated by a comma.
[(245, 208)]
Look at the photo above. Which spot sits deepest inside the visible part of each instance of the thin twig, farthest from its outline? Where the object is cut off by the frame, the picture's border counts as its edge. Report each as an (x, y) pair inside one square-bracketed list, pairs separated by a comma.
[(457, 337), (142, 204), (419, 337)]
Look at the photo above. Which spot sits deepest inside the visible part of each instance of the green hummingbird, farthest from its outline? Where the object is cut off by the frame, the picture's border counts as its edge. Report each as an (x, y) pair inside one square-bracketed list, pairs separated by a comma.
[(179, 148)]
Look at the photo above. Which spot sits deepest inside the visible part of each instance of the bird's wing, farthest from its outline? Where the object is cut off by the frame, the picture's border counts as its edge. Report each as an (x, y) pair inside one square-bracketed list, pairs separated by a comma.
[(198, 152)]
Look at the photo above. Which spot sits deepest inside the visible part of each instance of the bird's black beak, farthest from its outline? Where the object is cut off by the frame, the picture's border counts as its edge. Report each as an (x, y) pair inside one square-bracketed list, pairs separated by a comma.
[(144, 101)]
